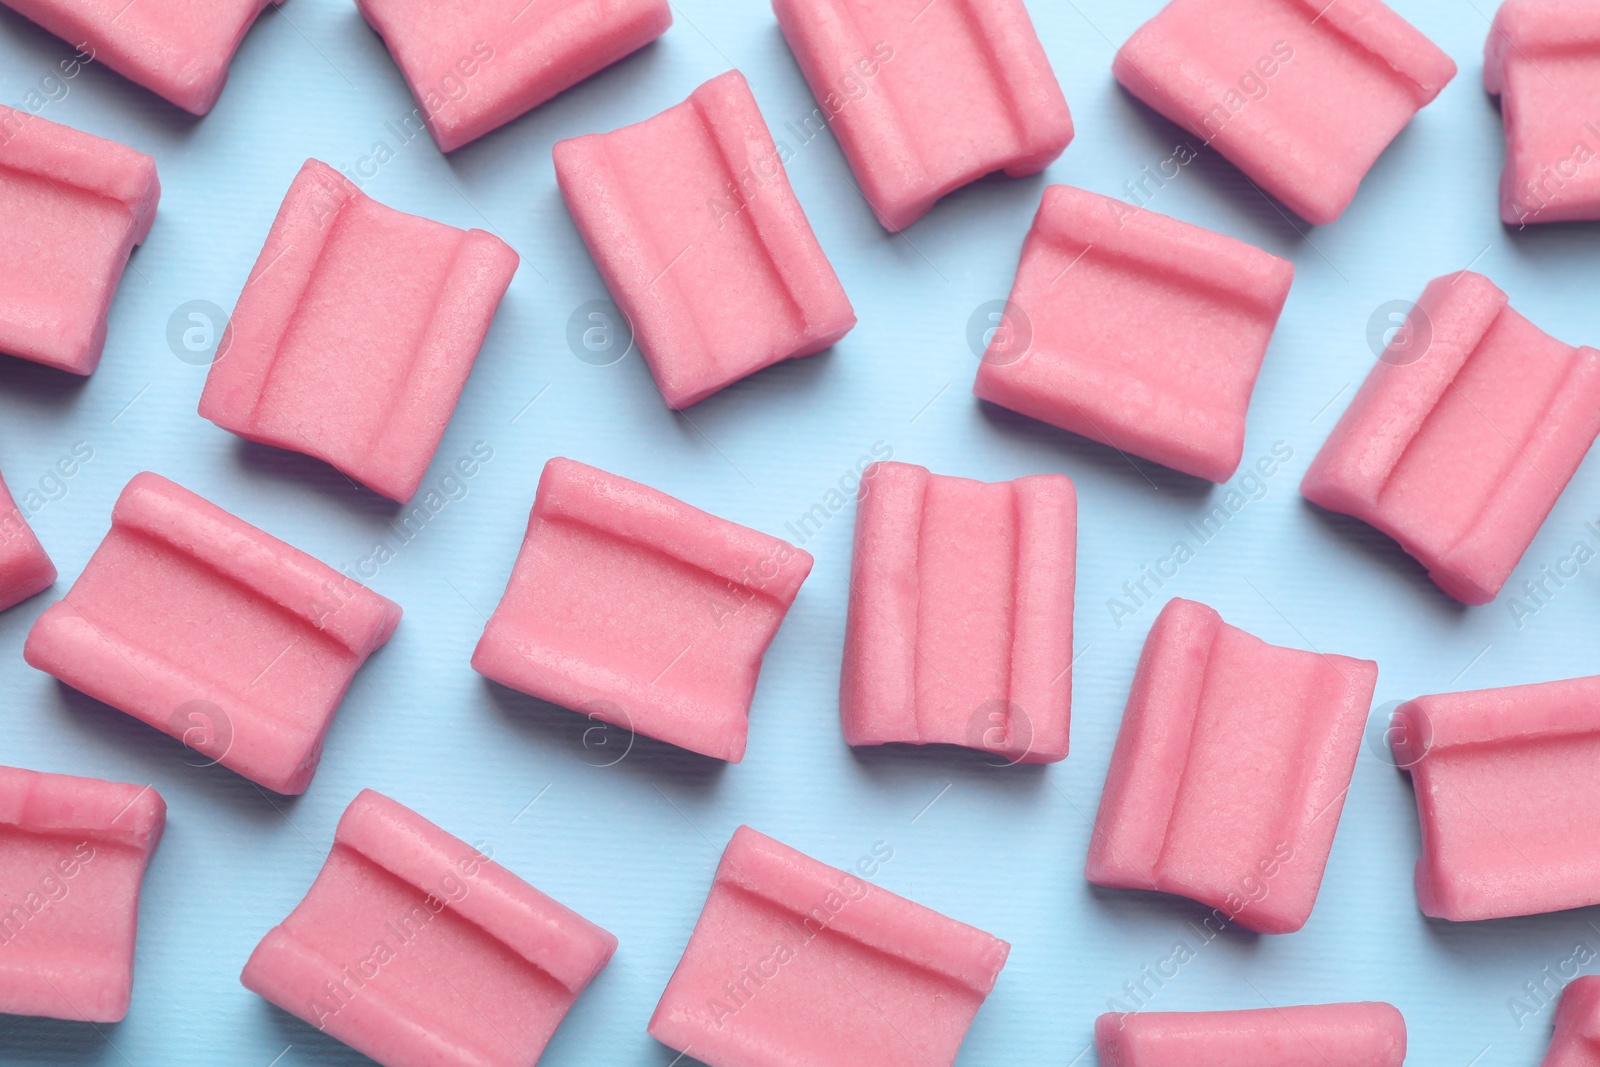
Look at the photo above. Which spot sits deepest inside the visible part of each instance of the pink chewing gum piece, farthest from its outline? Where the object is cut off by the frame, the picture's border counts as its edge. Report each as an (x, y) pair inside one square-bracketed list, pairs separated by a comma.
[(960, 627), (475, 66), (1201, 800), (1136, 330), (691, 221), (414, 947), (1577, 1038), (1254, 79), (636, 609), (72, 206), (355, 332), (1366, 1034), (1462, 436), (73, 852), (202, 626), (795, 962), (25, 569), (925, 98)]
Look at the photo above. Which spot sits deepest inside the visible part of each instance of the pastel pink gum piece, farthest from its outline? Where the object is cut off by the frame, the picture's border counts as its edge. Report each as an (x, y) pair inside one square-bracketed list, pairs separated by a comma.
[(635, 609), (415, 948), (1462, 436), (691, 221), (73, 853), (1577, 1038), (72, 207), (1230, 770), (960, 626), (1368, 1034), (1200, 62), (25, 569), (1136, 330), (210, 630), (868, 978), (475, 66), (953, 91)]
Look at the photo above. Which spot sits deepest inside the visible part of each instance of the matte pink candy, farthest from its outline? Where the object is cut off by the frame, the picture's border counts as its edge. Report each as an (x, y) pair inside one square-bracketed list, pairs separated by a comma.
[(24, 567), (690, 218), (414, 947), (1230, 770), (1136, 330), (1577, 1038), (1462, 436), (960, 628), (795, 962), (206, 628), (1369, 1034)]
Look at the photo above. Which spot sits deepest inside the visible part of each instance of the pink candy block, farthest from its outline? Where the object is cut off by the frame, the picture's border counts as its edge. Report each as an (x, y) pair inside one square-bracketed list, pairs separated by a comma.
[(1137, 331), (960, 629), (72, 206), (690, 218), (1462, 436), (24, 567), (416, 948), (1230, 770), (1577, 1039), (1368, 1034), (638, 610), (208, 629), (73, 852), (925, 98), (795, 962), (1302, 95)]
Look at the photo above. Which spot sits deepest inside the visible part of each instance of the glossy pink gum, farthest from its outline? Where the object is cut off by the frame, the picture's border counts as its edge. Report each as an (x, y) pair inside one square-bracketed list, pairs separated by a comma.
[(1200, 800), (25, 569), (1370, 1034), (960, 626), (475, 67), (214, 632), (1462, 436), (1254, 78), (72, 206), (674, 207), (415, 948), (73, 853), (1104, 295), (793, 961), (925, 98), (1577, 1038)]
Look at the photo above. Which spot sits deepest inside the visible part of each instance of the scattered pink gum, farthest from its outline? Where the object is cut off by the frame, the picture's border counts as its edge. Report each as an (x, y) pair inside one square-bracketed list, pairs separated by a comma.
[(1577, 1038), (635, 609), (1230, 770), (1369, 1034), (73, 853), (25, 569), (690, 218), (960, 627), (1462, 436), (415, 948), (1256, 79), (210, 630), (925, 98), (1105, 296), (796, 962)]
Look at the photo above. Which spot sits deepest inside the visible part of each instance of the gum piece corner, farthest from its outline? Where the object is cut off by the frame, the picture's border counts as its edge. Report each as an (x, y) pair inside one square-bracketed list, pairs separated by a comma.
[(25, 567)]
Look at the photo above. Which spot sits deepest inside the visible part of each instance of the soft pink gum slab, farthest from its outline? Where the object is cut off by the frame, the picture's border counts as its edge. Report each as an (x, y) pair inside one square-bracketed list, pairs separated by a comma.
[(1137, 331), (1458, 446), (1367, 1034), (73, 852), (1577, 1038), (638, 610), (925, 98), (691, 221), (210, 630), (416, 949), (1230, 770), (960, 627), (25, 569), (1205, 65), (72, 206), (795, 962)]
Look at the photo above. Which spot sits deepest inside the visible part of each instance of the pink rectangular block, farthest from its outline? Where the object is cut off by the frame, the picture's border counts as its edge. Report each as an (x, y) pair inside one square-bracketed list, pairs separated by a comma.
[(1462, 436), (210, 630), (25, 569), (1136, 330), (960, 628), (1577, 1038), (925, 98), (416, 948), (1367, 1034), (73, 853), (1301, 95), (1230, 770), (636, 609), (691, 221), (795, 962)]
